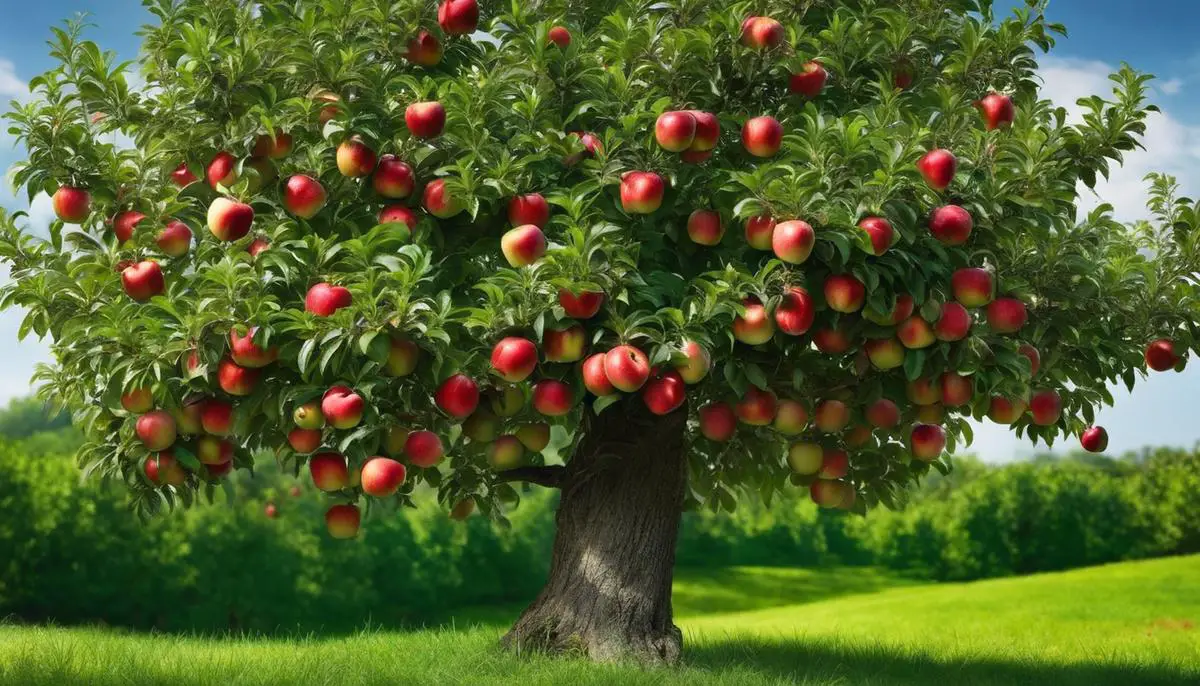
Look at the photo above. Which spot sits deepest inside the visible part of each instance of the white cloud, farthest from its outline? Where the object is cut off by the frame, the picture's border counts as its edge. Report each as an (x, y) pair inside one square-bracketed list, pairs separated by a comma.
[(1171, 86), (10, 85)]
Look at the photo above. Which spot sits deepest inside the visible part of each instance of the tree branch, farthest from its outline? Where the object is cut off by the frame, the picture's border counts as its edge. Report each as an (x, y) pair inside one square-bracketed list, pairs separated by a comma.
[(550, 476)]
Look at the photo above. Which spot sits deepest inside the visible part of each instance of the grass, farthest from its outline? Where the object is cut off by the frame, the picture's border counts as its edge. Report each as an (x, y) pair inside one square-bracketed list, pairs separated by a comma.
[(1133, 623)]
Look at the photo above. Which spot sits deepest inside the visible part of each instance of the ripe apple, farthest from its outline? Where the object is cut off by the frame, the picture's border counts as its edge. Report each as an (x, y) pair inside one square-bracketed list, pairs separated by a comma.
[(182, 176), (753, 326), (458, 17), (535, 437), (137, 401), (507, 401), (382, 477), (560, 36), (761, 33), (641, 192), (582, 306), (696, 364), (212, 451), (1046, 407), (398, 214), (664, 392), (164, 469), (883, 414), (831, 341), (303, 196), (675, 131), (523, 245), (998, 111), (793, 241), (927, 442), (881, 233), (229, 220), (216, 472), (245, 353), (809, 81), (938, 168), (1035, 358), (216, 417), (924, 391), (972, 286), (462, 509), (143, 280), (915, 333), (591, 147), (458, 396), (308, 416), (553, 398), (885, 353), (236, 380), (704, 227), (342, 407), (530, 208), (954, 324), (902, 309), (258, 246), (514, 358), (506, 452), (1160, 355), (902, 75), (762, 136), (156, 430), (831, 416), (757, 407), (481, 427), (1094, 439), (626, 367), (1006, 315), (791, 417), (342, 521), (393, 178), (72, 205), (595, 379), (175, 239), (957, 390), (125, 223), (424, 448), (222, 170), (835, 464), (425, 119), (424, 50), (794, 314), (950, 224), (270, 511), (718, 422), (931, 414), (355, 158), (276, 146), (708, 132), (806, 458), (760, 232), (324, 299), (331, 110), (1004, 410), (402, 357), (439, 202), (845, 293), (564, 345), (304, 440), (830, 494), (393, 440)]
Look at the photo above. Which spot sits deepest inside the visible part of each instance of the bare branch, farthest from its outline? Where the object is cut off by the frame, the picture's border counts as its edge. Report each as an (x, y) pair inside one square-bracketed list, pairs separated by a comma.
[(550, 476)]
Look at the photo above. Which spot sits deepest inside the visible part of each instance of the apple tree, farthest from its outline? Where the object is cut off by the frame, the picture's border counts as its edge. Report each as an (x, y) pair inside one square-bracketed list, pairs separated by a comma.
[(658, 255)]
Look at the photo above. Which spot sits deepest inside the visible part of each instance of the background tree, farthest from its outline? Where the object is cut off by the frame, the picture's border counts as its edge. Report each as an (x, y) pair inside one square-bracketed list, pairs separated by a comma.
[(540, 253)]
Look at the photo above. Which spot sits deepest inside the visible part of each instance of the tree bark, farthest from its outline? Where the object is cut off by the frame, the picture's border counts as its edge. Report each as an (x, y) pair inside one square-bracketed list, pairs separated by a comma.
[(609, 591)]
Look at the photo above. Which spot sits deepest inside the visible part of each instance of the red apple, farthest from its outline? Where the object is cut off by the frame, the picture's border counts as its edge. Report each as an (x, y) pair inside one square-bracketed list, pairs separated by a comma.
[(704, 227), (938, 168), (72, 205), (805, 458), (424, 448), (902, 75), (591, 147), (564, 345), (885, 353), (355, 158), (582, 306), (213, 451), (175, 239), (760, 232), (236, 380), (883, 414), (425, 119), (757, 407), (398, 214), (164, 469), (1006, 315), (831, 494), (324, 299), (244, 352), (125, 223), (143, 280), (1094, 439), (222, 170), (641, 192), (304, 440), (1046, 407), (216, 417), (393, 178), (954, 324), (342, 407), (530, 208), (762, 136), (343, 521), (927, 442), (595, 379), (915, 333), (458, 396), (523, 245), (424, 50), (137, 401), (675, 131), (1004, 410), (187, 418), (831, 416), (626, 367), (696, 365), (793, 241), (794, 314), (924, 391), (258, 246), (458, 17), (998, 111), (809, 81), (664, 392), (761, 33), (902, 309), (1160, 355), (331, 110), (382, 477), (514, 358), (791, 417), (753, 326), (156, 430), (957, 390), (560, 36), (972, 286), (831, 341), (881, 233), (553, 398), (182, 176), (1035, 358), (708, 132), (717, 422), (950, 224), (844, 293), (439, 202), (835, 464), (276, 146), (229, 220)]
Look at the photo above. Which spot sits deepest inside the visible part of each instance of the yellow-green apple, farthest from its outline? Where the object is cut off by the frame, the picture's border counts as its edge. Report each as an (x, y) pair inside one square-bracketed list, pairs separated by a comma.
[(883, 414), (1046, 407), (1006, 315), (564, 345), (424, 50), (137, 401), (235, 379), (229, 220), (902, 309), (342, 407), (760, 232), (342, 521), (794, 314), (675, 131), (835, 464), (402, 357), (258, 246), (143, 280), (793, 241), (885, 353), (222, 170), (276, 146), (303, 196), (927, 441), (216, 417), (462, 509), (951, 224), (175, 239), (641, 192), (696, 363), (535, 437), (1004, 410), (938, 168), (830, 494), (506, 452), (182, 176), (382, 477), (805, 458), (582, 306), (393, 440), (514, 358), (954, 324), (704, 227), (1094, 439), (438, 200), (972, 286), (425, 119), (211, 450), (329, 471), (187, 418), (753, 326), (664, 392), (998, 111), (355, 158), (1160, 355), (304, 440), (72, 205), (791, 417), (125, 224), (762, 136), (757, 407), (957, 390), (482, 426), (809, 81), (398, 214), (507, 401), (595, 379), (931, 414), (708, 132), (844, 293), (308, 416), (324, 299), (627, 368), (244, 352), (761, 33), (156, 430), (880, 232), (458, 17), (718, 422), (1035, 358), (552, 398), (560, 36), (831, 416), (924, 391), (164, 469), (393, 178), (530, 208), (915, 333), (523, 245), (458, 396), (424, 448), (831, 341)]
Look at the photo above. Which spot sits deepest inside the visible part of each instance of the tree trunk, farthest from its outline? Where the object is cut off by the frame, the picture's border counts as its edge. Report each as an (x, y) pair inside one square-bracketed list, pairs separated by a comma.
[(609, 592)]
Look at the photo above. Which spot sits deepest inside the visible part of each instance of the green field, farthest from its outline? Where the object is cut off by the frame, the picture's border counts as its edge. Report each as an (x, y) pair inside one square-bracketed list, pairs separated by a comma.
[(1129, 624)]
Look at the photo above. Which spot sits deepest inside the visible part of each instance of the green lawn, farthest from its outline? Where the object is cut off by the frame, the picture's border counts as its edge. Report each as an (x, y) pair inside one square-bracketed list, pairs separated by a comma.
[(1128, 624)]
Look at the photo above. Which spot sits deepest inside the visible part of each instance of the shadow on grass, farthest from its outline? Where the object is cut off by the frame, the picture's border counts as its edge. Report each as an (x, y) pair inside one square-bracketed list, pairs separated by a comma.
[(798, 661), (739, 589)]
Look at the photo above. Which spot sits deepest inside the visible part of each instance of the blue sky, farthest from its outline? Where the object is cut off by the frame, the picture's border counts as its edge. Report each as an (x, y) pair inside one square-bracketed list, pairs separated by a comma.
[(1157, 36)]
